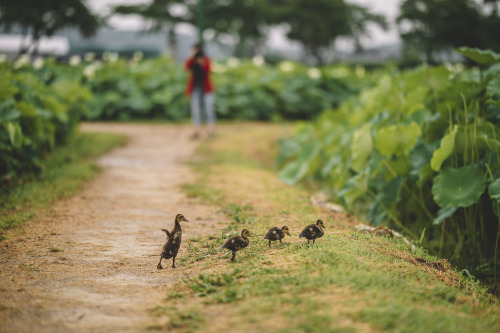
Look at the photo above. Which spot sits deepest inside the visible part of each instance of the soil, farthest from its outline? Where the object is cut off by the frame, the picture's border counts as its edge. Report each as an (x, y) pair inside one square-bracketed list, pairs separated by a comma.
[(89, 264)]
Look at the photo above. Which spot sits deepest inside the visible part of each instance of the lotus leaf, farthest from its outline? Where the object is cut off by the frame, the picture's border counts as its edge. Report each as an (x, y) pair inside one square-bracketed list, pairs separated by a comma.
[(360, 187), (494, 190), (493, 87), (293, 172), (362, 147), (15, 133), (420, 157), (443, 214), (445, 150), (460, 187), (8, 111), (482, 57), (397, 140)]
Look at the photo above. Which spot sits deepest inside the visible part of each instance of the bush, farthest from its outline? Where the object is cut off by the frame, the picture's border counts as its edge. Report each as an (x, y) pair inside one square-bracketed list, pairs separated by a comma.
[(39, 109), (421, 151)]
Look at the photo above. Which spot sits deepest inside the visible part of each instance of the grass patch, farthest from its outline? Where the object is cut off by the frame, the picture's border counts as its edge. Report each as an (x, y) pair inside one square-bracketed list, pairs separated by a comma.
[(64, 172), (346, 282), (55, 249)]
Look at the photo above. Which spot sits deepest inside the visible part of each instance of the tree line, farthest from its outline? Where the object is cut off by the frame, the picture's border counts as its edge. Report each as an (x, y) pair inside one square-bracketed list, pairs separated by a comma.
[(428, 28)]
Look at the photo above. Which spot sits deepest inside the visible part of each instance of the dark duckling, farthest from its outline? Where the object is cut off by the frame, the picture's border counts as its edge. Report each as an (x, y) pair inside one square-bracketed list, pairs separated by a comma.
[(275, 234), (173, 243), (237, 243), (313, 231)]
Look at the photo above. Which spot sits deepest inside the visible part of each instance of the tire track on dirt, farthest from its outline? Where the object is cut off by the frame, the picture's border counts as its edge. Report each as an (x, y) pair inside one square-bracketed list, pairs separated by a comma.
[(105, 279)]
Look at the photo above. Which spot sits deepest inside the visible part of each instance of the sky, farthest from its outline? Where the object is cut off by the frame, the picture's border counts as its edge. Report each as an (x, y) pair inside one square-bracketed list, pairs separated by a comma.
[(389, 8)]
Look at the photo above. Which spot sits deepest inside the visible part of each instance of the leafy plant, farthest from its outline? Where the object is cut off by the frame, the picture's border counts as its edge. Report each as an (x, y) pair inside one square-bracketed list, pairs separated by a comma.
[(415, 149)]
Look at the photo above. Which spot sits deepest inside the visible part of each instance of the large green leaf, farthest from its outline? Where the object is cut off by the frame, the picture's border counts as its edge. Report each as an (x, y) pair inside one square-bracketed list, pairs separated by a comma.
[(8, 111), (293, 172), (397, 140), (493, 87), (494, 190), (460, 187), (482, 57), (443, 214), (360, 187), (362, 147), (445, 150), (15, 134)]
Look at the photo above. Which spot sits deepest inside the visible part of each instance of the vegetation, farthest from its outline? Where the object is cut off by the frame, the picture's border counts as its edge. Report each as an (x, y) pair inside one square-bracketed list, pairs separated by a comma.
[(346, 282), (42, 103), (421, 151), (65, 170), (437, 26), (315, 26), (39, 110)]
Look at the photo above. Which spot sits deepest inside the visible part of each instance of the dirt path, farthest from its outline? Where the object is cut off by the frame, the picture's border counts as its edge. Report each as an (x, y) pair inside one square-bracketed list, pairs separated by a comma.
[(104, 278)]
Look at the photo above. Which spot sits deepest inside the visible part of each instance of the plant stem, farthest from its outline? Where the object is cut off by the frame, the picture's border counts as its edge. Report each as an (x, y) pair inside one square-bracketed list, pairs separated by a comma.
[(441, 240), (408, 190), (496, 244)]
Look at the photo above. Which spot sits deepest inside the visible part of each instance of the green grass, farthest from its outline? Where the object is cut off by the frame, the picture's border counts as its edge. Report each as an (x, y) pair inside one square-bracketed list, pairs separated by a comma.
[(346, 282), (55, 249), (64, 172)]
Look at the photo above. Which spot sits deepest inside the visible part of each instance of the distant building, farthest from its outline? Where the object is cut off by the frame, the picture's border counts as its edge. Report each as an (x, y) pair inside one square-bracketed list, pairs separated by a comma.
[(11, 44), (127, 42), (69, 42)]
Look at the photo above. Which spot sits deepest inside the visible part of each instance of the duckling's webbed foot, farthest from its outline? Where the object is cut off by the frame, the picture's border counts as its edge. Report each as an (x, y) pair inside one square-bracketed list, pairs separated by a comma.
[(159, 266), (234, 255), (173, 263)]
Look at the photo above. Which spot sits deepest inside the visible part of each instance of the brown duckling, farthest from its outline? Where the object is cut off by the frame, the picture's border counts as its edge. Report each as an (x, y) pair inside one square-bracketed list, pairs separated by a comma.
[(313, 231), (275, 234), (237, 243), (174, 238)]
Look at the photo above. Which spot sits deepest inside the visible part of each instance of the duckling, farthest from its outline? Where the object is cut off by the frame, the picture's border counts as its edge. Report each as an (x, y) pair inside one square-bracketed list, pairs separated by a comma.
[(237, 243), (174, 238), (275, 234), (313, 231)]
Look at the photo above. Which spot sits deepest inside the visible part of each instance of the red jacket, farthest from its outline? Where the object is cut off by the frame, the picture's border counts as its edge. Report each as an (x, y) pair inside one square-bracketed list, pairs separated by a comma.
[(207, 83)]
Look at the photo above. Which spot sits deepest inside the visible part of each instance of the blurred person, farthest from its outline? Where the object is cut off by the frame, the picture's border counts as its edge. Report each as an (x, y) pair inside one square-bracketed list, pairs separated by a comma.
[(200, 90)]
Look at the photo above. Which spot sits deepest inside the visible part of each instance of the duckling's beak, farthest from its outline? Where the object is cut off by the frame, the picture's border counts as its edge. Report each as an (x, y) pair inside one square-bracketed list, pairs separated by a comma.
[(185, 220), (287, 233), (250, 235)]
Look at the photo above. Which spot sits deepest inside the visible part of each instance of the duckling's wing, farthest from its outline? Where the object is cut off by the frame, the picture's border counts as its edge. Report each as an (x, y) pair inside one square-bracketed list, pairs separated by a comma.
[(229, 243), (240, 242), (315, 231), (168, 233), (235, 243), (272, 233), (307, 231)]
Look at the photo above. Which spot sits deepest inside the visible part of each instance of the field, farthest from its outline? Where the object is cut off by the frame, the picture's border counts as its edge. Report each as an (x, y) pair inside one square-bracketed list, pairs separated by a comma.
[(96, 158), (99, 250)]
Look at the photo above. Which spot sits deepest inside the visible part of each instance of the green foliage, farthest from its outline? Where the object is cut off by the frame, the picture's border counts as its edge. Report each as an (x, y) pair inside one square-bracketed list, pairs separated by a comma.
[(154, 89), (39, 109), (481, 57), (461, 187), (416, 148)]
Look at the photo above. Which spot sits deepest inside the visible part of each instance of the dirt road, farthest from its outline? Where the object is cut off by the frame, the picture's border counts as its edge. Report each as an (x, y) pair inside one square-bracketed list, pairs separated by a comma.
[(90, 264)]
